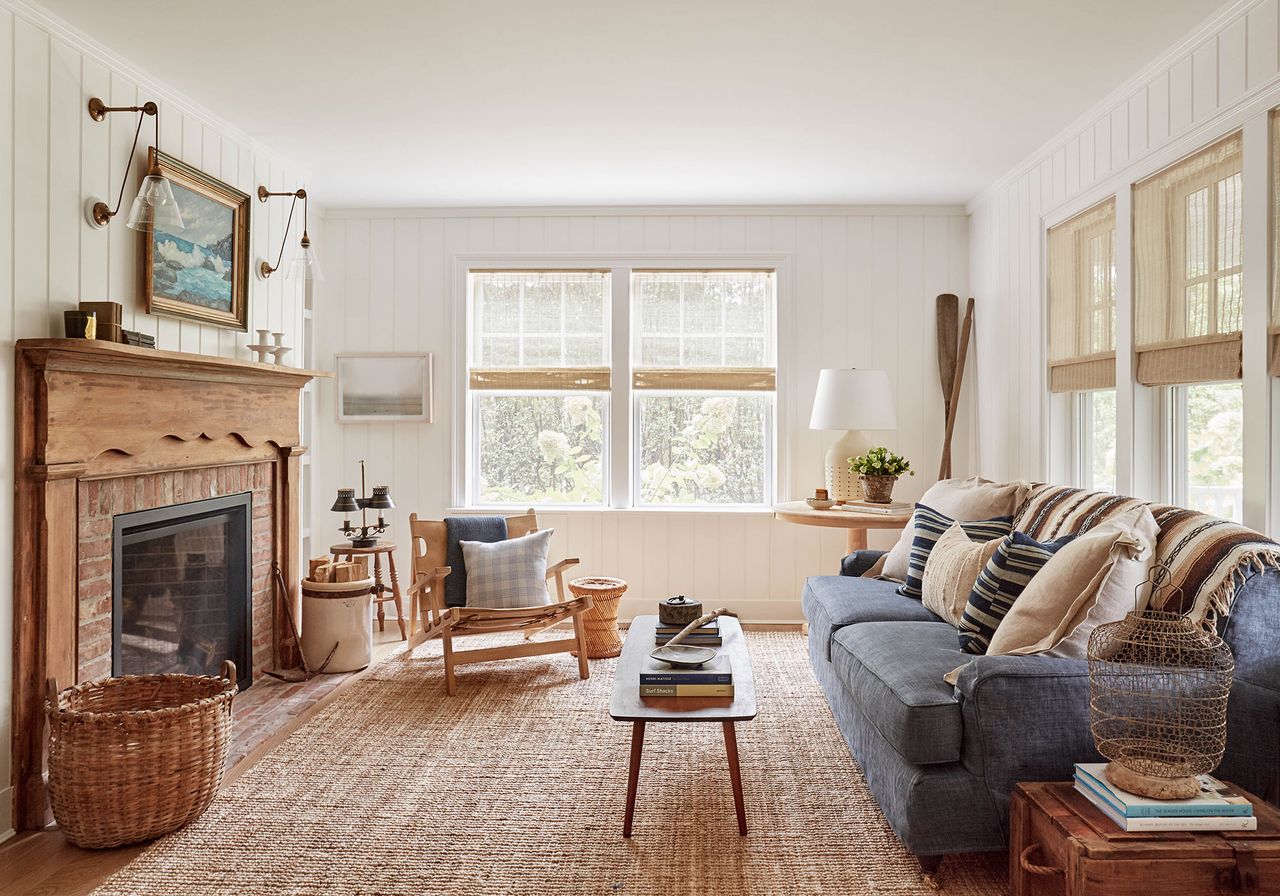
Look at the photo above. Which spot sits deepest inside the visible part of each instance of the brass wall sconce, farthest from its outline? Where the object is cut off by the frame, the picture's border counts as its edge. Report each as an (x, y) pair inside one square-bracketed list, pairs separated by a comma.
[(306, 266), (154, 206)]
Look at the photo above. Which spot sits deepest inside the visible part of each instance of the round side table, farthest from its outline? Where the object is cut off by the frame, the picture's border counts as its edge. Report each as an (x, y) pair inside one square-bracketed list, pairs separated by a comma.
[(381, 592), (600, 623)]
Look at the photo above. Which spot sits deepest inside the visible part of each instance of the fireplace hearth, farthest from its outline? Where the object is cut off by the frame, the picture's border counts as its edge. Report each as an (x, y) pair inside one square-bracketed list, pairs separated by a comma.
[(182, 580)]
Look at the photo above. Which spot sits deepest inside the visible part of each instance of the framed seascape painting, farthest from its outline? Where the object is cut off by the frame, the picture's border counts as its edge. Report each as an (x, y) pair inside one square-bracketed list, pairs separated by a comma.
[(202, 272), (392, 387)]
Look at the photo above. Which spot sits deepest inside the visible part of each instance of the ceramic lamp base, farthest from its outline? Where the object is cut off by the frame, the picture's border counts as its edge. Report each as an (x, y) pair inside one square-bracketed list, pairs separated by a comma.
[(842, 484)]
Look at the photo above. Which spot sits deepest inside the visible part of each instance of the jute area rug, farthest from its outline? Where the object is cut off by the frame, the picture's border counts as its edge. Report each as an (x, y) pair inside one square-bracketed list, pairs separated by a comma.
[(517, 785)]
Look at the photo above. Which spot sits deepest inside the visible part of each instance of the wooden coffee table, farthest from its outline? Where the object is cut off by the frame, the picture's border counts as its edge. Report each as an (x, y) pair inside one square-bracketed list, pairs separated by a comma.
[(627, 705)]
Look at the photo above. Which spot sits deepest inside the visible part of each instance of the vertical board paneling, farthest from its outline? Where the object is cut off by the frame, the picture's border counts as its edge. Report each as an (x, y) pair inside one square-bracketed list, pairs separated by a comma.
[(862, 294), (54, 159)]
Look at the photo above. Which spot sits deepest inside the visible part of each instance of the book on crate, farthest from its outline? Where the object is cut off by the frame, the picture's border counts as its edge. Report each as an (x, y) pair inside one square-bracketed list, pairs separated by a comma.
[(704, 636), (1215, 808), (713, 678), (868, 507)]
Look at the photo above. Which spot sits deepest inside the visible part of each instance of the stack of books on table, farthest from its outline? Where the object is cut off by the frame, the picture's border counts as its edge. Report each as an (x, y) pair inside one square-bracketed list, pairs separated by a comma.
[(1215, 808), (713, 678), (705, 636)]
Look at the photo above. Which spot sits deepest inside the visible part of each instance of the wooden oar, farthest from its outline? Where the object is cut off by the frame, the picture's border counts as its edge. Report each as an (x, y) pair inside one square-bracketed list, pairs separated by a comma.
[(948, 313), (966, 329)]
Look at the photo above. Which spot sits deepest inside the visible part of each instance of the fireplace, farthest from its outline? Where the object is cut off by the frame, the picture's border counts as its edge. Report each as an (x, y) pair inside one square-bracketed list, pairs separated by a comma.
[(182, 588)]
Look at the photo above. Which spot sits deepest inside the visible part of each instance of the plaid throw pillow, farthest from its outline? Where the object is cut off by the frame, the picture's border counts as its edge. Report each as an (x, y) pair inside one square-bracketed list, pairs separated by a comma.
[(929, 526), (511, 573), (1001, 582)]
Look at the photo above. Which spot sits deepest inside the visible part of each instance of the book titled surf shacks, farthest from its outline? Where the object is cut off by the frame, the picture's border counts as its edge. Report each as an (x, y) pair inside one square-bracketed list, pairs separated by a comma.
[(713, 679)]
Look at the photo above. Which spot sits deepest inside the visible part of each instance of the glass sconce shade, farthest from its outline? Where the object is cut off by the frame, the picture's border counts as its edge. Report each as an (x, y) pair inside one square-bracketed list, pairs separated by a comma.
[(346, 501), (154, 207), (306, 266), (381, 499)]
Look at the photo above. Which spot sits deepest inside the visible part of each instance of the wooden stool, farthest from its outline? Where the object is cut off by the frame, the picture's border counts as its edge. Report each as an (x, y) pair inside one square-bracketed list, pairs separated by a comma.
[(381, 592)]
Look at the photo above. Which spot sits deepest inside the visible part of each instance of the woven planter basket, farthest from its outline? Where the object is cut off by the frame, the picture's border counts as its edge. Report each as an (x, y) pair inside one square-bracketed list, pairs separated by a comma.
[(135, 757), (600, 623)]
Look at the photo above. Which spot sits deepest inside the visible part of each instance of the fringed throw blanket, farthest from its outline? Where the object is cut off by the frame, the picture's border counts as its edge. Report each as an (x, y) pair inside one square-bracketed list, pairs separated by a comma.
[(1208, 558)]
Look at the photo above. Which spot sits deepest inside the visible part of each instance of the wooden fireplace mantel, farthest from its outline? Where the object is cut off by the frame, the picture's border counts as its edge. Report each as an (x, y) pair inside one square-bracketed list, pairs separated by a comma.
[(87, 409)]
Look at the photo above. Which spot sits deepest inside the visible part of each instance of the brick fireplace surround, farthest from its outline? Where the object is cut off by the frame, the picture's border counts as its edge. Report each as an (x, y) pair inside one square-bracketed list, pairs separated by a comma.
[(104, 429)]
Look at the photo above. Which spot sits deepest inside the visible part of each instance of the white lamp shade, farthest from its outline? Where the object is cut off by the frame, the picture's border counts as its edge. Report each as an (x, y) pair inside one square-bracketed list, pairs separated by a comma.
[(853, 399)]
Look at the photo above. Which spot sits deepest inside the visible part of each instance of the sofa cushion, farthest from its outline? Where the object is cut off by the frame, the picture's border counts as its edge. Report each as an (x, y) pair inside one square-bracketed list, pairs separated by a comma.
[(930, 525), (832, 602), (893, 672)]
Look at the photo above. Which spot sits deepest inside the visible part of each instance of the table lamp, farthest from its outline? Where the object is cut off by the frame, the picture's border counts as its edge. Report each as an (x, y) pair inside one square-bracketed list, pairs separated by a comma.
[(365, 535), (854, 401)]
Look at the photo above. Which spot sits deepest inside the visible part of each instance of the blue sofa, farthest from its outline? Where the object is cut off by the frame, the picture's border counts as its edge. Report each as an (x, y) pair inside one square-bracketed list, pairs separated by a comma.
[(941, 761)]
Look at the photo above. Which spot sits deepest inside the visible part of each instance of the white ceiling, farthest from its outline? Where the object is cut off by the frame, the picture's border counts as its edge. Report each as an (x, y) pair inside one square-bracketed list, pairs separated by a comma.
[(536, 102)]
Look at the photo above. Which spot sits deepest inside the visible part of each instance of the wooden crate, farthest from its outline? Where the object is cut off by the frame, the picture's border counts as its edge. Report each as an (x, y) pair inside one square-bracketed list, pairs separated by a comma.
[(1060, 844)]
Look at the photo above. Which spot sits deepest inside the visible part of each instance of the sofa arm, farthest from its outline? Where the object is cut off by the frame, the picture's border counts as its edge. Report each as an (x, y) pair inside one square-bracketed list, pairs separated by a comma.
[(1026, 718), (858, 562)]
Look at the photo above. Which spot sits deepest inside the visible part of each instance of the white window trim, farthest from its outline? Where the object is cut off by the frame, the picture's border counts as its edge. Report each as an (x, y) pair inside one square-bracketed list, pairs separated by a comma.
[(618, 443)]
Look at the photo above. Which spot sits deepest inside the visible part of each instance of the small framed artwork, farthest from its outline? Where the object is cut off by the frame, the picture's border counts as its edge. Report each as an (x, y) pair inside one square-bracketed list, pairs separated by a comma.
[(202, 272), (392, 388)]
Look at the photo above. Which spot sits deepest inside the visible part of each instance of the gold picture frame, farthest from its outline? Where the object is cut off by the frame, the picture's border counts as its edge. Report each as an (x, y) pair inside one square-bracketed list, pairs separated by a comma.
[(201, 273)]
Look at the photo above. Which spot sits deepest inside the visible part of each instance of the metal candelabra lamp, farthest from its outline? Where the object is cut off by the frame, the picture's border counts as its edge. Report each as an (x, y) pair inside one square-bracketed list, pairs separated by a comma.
[(364, 535)]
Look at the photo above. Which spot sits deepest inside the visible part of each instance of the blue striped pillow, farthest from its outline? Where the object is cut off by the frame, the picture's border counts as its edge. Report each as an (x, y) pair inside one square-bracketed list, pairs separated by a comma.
[(1001, 582), (927, 526)]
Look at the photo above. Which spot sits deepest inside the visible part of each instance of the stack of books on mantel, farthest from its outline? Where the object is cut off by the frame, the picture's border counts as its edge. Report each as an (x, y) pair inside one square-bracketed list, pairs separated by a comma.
[(713, 678), (1215, 808), (704, 636)]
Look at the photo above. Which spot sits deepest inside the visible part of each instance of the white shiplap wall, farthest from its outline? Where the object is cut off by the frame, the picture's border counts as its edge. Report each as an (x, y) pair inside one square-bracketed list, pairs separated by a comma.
[(1212, 83), (52, 158), (863, 283)]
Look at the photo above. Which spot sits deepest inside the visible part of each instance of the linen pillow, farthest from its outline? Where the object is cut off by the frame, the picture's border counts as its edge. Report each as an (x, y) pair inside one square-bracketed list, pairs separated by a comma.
[(1097, 578), (953, 567), (1016, 559), (511, 573), (929, 525), (961, 499)]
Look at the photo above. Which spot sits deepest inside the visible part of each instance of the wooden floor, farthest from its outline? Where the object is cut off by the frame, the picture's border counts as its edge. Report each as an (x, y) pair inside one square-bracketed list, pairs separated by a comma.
[(43, 863)]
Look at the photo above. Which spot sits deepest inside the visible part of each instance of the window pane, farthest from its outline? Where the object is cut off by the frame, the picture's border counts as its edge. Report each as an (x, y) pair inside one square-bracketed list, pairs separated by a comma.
[(1215, 449), (703, 449), (1230, 307), (1197, 233), (545, 449), (1230, 219), (716, 319), (1101, 457), (1198, 309), (540, 319)]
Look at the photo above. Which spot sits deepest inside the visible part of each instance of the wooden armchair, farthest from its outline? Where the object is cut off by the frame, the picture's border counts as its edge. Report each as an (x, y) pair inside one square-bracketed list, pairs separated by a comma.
[(427, 606)]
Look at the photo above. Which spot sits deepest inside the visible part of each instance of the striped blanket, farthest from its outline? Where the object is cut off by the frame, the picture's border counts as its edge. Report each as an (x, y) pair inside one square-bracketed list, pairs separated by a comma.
[(1208, 558)]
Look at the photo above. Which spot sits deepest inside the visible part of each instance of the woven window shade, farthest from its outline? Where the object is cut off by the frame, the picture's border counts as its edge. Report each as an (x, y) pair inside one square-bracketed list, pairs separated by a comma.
[(1187, 236), (704, 330), (540, 331), (1275, 235), (1082, 301)]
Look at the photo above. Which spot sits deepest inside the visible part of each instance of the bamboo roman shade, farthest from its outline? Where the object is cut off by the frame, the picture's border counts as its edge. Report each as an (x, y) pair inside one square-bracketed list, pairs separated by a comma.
[(540, 331), (1082, 301), (703, 330), (1187, 234)]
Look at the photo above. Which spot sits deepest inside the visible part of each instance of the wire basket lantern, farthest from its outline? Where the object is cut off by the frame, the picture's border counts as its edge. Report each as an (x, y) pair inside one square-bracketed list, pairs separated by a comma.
[(1159, 684)]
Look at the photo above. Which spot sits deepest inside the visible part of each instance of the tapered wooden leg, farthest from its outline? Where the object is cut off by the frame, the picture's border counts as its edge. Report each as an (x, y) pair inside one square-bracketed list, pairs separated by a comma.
[(395, 592), (579, 631), (633, 775), (735, 775), (446, 641)]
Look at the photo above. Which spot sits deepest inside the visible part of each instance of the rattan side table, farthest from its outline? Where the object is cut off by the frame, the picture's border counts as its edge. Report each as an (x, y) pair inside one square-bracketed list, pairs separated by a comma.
[(601, 621)]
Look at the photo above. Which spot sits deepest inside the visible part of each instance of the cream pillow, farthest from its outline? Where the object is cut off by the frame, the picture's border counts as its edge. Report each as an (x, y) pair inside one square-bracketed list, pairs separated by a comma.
[(951, 571), (963, 500), (1095, 579)]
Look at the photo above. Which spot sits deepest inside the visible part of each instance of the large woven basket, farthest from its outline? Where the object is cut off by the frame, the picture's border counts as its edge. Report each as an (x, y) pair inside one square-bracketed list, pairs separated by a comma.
[(600, 623), (135, 757)]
